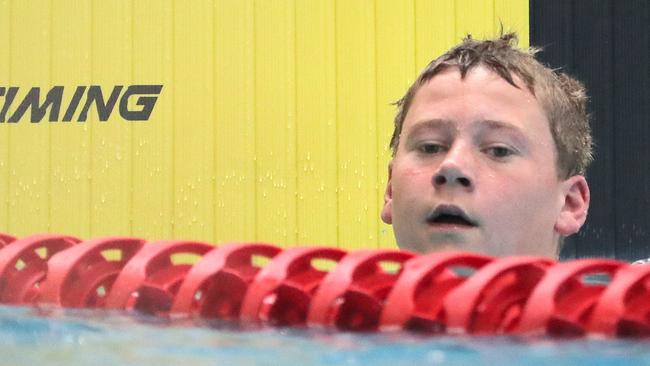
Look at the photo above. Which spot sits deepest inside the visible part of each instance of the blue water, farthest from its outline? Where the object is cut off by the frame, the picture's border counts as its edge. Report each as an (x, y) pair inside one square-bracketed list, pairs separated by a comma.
[(30, 336)]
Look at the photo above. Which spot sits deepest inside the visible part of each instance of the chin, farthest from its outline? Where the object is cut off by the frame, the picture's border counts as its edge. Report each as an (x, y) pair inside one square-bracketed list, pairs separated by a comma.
[(438, 247)]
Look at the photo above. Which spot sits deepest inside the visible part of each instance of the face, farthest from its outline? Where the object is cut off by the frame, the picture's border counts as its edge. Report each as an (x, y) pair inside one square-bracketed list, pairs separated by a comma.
[(475, 170)]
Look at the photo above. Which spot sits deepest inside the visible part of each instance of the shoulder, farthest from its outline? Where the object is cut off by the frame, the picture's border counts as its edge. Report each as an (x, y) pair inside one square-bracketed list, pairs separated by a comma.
[(642, 261)]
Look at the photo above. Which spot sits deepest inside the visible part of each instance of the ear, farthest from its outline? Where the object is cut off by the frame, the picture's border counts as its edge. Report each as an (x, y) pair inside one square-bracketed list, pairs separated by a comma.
[(387, 210), (576, 204)]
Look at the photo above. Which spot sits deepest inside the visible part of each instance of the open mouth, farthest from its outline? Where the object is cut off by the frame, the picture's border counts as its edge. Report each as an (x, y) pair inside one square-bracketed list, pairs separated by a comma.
[(450, 215)]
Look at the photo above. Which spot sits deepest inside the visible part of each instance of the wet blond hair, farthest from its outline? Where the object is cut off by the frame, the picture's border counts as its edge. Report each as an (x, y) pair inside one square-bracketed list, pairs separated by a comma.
[(562, 97)]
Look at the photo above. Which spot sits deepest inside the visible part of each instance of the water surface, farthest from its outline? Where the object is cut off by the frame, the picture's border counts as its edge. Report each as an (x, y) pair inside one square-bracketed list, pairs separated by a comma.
[(32, 336)]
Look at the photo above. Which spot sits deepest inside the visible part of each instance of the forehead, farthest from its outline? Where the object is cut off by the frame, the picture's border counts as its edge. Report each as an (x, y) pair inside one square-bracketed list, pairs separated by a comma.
[(481, 95)]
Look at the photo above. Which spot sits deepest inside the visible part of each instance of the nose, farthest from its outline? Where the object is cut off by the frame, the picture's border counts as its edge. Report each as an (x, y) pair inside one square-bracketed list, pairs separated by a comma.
[(455, 170)]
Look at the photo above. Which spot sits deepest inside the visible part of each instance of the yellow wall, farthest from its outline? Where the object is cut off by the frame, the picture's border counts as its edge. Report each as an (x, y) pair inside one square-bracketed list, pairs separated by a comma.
[(272, 124)]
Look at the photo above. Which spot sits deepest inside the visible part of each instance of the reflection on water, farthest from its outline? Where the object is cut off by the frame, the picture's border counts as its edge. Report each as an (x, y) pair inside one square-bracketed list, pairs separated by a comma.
[(32, 336)]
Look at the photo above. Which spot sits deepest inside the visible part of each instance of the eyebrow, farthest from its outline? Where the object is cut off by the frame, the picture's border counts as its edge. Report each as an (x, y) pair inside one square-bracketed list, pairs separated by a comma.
[(516, 132), (498, 125), (431, 124), (487, 124), (483, 125)]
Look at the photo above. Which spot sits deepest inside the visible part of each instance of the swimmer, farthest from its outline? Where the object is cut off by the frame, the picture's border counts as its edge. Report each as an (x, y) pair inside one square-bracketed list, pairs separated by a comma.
[(489, 154)]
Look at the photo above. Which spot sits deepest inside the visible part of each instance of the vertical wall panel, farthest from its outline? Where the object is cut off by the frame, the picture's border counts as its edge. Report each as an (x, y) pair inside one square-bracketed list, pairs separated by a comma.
[(193, 95), (475, 17), (111, 180), (434, 32), (631, 100), (152, 144), (29, 145), (513, 16), (395, 70), (5, 78), (70, 141), (592, 57), (316, 122), (234, 105), (356, 127), (275, 131)]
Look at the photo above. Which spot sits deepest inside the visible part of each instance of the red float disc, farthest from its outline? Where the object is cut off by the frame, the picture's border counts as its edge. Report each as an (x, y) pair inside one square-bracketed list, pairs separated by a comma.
[(624, 307), (5, 239), (491, 300), (352, 295), (23, 265), (562, 302), (82, 276), (281, 292), (150, 280), (216, 285), (417, 297)]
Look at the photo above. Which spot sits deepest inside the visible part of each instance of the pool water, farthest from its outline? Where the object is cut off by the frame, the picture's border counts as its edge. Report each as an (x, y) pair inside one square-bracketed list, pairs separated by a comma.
[(33, 336)]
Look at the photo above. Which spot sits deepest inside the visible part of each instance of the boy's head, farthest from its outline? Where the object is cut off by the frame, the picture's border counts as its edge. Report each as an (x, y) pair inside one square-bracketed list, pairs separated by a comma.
[(489, 152)]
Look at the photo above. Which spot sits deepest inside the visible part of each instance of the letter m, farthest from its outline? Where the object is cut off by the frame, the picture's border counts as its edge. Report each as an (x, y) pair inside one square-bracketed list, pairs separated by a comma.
[(53, 99)]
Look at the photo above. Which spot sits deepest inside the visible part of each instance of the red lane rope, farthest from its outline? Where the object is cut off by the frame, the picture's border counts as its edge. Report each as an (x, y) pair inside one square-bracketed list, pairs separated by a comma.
[(362, 290), (216, 285), (282, 292), (352, 294)]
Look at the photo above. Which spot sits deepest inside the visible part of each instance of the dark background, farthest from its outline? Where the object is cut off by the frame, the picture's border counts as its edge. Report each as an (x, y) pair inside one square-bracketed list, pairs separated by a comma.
[(606, 44)]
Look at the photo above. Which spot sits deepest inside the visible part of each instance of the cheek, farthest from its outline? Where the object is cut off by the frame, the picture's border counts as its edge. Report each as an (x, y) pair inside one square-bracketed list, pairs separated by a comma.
[(409, 179), (410, 171), (520, 197)]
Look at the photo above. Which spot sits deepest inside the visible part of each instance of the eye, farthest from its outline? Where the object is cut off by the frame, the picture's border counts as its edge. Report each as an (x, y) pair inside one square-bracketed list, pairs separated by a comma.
[(499, 152), (431, 148)]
